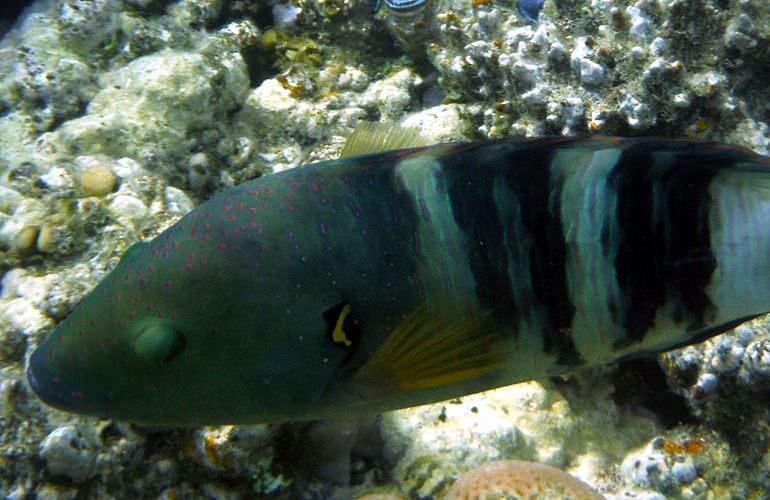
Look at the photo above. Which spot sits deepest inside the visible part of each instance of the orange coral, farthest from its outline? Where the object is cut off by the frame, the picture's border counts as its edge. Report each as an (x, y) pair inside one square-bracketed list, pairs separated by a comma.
[(688, 447), (519, 479)]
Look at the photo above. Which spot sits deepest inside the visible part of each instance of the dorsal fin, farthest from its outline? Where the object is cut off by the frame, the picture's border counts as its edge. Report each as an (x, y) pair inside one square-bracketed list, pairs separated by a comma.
[(370, 137), (431, 349)]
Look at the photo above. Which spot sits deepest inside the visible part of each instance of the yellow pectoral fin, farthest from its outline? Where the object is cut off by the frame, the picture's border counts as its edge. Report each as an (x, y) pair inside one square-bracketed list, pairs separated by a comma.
[(432, 349)]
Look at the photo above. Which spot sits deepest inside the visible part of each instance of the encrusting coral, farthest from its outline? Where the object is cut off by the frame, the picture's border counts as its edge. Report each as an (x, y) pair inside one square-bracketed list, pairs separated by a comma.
[(521, 480)]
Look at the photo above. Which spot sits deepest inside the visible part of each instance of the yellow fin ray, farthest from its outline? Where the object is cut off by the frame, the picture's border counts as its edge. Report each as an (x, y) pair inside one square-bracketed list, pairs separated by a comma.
[(369, 137), (433, 348)]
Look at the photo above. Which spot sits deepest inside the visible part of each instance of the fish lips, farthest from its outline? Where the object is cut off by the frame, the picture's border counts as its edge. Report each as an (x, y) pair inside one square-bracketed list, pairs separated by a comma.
[(56, 392)]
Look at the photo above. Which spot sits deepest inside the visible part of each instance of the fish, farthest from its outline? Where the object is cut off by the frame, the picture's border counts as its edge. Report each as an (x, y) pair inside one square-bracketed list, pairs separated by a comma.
[(390, 279), (398, 6), (529, 10)]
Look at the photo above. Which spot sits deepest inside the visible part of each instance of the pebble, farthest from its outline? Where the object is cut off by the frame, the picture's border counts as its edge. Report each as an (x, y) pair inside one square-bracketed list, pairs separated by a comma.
[(646, 469), (25, 239), (97, 180), (639, 24), (46, 239), (591, 73), (756, 361), (684, 472), (67, 453), (707, 383), (726, 356)]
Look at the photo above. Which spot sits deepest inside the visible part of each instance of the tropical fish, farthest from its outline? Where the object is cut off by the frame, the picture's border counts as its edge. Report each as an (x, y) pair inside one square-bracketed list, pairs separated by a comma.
[(405, 277), (530, 9)]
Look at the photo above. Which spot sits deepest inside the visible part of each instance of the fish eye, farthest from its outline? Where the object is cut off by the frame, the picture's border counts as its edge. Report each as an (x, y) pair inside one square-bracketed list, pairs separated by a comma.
[(159, 343)]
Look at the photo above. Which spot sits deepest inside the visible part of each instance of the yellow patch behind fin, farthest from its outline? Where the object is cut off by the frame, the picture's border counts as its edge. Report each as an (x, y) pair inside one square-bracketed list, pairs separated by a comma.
[(432, 349), (370, 137)]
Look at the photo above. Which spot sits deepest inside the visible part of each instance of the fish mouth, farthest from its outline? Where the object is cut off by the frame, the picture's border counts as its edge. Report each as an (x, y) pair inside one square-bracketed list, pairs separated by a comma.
[(42, 382), (52, 390)]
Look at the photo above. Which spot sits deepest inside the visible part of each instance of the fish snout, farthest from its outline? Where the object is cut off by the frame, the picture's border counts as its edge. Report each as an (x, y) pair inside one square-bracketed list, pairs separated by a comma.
[(53, 390)]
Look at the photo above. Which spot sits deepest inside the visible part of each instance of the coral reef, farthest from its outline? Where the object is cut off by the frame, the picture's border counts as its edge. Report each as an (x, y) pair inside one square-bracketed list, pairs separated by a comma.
[(116, 118), (521, 480), (609, 67)]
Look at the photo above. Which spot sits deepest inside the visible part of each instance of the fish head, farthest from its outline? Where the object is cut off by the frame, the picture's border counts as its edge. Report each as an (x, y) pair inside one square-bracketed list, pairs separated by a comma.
[(119, 353), (170, 340)]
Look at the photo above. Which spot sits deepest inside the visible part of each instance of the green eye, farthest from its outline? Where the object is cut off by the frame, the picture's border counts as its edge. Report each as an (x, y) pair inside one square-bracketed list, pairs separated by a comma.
[(159, 343)]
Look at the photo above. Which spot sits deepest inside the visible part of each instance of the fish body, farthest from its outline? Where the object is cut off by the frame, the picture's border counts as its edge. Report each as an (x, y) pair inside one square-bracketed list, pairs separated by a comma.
[(382, 281)]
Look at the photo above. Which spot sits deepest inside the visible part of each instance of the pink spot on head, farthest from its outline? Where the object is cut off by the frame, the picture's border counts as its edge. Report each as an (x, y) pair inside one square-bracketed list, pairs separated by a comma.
[(203, 263), (221, 245), (205, 237), (193, 232), (253, 194), (314, 187), (253, 210), (232, 218), (252, 224), (239, 206), (294, 184), (188, 266), (165, 255), (174, 245), (226, 208)]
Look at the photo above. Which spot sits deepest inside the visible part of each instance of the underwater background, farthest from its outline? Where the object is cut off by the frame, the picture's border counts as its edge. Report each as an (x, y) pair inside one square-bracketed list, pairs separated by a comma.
[(117, 117)]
